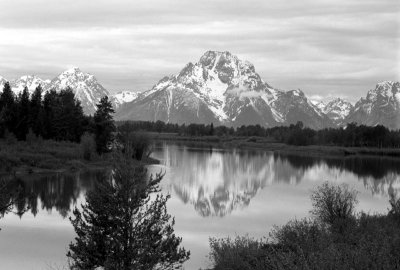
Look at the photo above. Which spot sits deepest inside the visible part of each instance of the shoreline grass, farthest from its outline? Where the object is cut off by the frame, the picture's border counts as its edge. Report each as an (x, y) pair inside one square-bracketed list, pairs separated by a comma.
[(48, 156)]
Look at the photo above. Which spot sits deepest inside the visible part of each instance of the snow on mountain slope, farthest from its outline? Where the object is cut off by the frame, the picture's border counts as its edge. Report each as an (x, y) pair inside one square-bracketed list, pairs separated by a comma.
[(2, 82), (381, 106), (86, 87), (319, 104), (338, 109), (123, 97), (221, 88), (30, 81)]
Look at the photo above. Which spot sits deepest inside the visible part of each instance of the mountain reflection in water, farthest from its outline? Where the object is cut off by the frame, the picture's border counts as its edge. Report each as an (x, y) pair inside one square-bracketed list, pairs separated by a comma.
[(216, 181)]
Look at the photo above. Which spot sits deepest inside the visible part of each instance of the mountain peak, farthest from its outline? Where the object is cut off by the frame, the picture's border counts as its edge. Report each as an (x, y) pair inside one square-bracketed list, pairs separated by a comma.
[(215, 59), (384, 89), (86, 87)]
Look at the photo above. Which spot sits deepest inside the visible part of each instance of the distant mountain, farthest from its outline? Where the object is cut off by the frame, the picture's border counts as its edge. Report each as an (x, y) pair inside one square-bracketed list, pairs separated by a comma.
[(30, 81), (86, 87), (337, 110), (381, 106), (18, 85), (123, 97), (222, 89)]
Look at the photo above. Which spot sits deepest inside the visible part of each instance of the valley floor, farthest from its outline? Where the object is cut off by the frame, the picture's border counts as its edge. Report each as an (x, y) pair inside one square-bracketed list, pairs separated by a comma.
[(268, 144)]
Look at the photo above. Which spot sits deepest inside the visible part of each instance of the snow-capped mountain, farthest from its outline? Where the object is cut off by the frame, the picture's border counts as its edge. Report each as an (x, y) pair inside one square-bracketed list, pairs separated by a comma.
[(319, 104), (222, 89), (30, 81), (337, 109), (86, 87), (123, 97), (381, 106)]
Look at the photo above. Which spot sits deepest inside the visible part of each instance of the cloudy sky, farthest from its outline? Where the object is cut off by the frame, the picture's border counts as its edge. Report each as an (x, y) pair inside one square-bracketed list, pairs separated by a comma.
[(339, 47)]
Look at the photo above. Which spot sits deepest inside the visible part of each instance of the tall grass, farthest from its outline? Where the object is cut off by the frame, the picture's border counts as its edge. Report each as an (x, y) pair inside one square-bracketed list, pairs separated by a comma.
[(38, 153)]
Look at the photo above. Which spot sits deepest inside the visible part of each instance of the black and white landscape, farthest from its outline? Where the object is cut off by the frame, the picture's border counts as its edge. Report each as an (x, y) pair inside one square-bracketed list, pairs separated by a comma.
[(199, 134)]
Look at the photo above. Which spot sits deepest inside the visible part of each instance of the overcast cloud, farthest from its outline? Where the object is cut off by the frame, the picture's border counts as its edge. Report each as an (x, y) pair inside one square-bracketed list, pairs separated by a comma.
[(326, 48)]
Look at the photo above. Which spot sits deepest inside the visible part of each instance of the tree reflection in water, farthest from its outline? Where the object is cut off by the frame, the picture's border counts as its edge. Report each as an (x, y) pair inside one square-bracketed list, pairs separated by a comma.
[(214, 181), (51, 192)]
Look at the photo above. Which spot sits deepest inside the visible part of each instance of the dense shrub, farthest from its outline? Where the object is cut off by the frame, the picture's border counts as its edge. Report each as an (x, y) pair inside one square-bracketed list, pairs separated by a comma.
[(333, 204), (365, 242), (139, 142), (240, 253)]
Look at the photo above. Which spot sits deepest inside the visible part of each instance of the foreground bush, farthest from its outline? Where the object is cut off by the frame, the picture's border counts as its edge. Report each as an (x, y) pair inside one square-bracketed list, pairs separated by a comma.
[(335, 238)]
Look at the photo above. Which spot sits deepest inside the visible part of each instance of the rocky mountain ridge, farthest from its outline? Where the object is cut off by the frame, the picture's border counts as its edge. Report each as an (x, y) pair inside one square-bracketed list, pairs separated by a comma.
[(222, 89)]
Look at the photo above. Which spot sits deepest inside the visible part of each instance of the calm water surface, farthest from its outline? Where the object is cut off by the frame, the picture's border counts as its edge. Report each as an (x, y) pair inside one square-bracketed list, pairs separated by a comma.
[(214, 193)]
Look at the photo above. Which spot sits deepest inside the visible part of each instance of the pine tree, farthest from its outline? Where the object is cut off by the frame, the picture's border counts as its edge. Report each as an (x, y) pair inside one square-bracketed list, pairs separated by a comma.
[(63, 116), (104, 125), (49, 104), (22, 124), (120, 227), (37, 113), (8, 111)]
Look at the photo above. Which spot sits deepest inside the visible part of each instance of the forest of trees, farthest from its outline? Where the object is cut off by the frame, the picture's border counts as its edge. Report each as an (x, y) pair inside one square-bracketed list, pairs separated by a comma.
[(352, 135), (50, 115), (54, 116)]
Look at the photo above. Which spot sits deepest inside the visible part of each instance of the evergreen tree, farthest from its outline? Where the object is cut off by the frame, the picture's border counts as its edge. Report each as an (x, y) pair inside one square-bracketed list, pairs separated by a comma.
[(68, 117), (37, 113), (63, 116), (119, 227), (23, 116), (49, 103), (8, 109), (104, 125)]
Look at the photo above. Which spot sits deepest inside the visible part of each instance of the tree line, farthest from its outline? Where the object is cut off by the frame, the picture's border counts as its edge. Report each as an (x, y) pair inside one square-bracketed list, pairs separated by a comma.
[(54, 115), (352, 135)]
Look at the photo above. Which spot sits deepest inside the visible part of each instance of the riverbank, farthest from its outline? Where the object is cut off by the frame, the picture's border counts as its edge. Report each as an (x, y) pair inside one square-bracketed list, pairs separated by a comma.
[(273, 146), (48, 156)]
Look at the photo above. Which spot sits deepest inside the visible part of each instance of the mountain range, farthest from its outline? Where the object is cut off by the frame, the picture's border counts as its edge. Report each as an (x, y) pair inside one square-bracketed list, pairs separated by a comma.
[(85, 86), (222, 89)]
